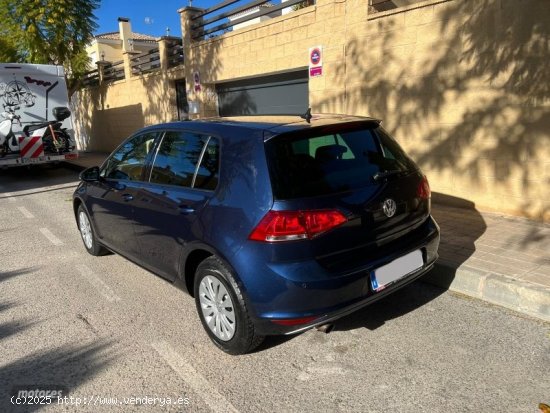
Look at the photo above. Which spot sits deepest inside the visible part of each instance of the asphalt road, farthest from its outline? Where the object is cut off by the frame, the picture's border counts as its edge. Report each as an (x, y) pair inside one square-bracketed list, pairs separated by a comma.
[(104, 330)]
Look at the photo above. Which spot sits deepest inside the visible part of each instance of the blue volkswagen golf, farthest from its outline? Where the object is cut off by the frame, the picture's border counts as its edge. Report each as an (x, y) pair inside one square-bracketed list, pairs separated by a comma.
[(273, 224)]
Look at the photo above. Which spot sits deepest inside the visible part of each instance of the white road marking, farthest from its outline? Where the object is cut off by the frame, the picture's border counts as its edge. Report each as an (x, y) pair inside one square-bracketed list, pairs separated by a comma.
[(193, 378), (42, 189), (52, 238), (26, 213), (100, 285)]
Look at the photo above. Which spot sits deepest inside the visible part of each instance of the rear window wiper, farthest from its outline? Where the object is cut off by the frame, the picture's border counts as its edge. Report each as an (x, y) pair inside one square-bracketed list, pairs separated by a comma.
[(385, 174)]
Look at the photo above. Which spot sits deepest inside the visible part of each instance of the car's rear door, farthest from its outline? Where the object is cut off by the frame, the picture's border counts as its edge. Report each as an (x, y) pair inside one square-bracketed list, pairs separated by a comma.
[(181, 180)]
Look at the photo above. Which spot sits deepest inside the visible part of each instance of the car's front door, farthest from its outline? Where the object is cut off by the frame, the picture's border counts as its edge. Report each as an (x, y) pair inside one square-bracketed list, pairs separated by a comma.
[(182, 179), (110, 200)]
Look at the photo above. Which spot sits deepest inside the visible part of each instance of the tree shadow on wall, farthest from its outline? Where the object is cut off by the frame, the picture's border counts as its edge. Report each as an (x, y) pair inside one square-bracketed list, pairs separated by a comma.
[(474, 83), (85, 103), (113, 125), (237, 104)]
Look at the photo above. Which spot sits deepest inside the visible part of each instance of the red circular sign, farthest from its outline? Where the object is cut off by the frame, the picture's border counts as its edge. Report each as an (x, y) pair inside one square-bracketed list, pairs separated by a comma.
[(315, 56)]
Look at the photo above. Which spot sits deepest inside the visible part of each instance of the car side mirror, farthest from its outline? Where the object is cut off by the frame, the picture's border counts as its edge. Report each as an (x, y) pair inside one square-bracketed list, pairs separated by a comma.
[(90, 174)]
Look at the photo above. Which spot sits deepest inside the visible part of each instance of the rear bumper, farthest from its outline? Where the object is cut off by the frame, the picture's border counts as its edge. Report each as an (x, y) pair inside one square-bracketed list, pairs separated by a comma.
[(267, 327), (294, 290)]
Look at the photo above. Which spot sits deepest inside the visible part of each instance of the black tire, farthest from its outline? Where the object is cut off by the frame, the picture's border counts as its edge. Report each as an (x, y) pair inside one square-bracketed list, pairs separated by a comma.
[(62, 143), (65, 139), (243, 340), (87, 233)]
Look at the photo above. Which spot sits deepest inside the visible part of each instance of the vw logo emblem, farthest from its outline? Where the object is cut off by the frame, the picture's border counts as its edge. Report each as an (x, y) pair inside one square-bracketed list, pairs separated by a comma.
[(389, 207)]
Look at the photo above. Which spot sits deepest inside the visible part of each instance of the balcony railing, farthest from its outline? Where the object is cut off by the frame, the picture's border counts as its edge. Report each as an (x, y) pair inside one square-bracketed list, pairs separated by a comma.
[(146, 62), (90, 78), (223, 21), (113, 71)]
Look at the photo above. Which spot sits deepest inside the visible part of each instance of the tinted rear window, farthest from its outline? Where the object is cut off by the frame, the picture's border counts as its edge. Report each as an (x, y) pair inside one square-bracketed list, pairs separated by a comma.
[(331, 160)]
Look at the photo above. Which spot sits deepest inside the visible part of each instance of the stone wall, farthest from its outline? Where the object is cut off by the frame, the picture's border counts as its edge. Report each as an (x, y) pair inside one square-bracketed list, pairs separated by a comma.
[(108, 113), (464, 86)]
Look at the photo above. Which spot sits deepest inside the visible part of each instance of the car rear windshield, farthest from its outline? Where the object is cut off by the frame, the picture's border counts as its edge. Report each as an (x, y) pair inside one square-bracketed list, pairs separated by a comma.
[(328, 160)]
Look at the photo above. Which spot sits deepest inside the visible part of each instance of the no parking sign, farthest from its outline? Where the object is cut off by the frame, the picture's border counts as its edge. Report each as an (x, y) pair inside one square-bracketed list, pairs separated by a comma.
[(315, 61), (197, 81)]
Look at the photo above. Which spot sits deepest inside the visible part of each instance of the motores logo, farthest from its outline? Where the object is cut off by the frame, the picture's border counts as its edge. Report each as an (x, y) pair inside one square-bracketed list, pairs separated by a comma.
[(389, 207)]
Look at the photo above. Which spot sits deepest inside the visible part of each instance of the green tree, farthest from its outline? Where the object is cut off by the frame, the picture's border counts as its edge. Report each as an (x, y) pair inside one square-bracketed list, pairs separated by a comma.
[(48, 32), (303, 5)]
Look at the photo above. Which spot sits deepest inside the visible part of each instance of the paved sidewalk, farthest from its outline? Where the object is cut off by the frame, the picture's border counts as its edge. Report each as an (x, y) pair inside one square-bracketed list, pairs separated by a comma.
[(87, 159), (500, 259)]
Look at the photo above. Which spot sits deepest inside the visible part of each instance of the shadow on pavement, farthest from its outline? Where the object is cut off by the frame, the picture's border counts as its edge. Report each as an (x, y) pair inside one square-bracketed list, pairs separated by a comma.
[(35, 177), (393, 306), (12, 327), (65, 367), (461, 226), (6, 275)]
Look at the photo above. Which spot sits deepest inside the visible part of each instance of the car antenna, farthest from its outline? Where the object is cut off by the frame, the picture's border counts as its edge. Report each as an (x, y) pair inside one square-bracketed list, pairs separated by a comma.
[(307, 116)]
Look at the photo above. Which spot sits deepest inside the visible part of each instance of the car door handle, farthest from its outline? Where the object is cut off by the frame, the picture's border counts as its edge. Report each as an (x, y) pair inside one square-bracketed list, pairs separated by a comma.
[(186, 209), (127, 197)]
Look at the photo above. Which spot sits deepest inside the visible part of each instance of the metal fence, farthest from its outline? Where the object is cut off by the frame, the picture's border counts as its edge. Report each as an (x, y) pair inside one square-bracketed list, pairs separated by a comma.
[(146, 62), (90, 78), (113, 71), (236, 12)]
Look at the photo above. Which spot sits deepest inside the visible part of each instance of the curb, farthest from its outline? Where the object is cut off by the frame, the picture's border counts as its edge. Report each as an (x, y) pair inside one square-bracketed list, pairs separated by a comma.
[(73, 166), (520, 296)]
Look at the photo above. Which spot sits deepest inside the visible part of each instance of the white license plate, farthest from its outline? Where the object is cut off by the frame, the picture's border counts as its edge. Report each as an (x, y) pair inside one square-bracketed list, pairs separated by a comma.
[(395, 270), (30, 160)]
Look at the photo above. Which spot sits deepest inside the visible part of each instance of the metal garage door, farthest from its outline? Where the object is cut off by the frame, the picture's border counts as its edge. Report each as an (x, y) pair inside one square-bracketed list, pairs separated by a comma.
[(282, 94)]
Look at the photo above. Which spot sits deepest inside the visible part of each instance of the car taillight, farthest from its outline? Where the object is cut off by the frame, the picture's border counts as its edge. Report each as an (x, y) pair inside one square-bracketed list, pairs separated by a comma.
[(423, 190), (295, 225)]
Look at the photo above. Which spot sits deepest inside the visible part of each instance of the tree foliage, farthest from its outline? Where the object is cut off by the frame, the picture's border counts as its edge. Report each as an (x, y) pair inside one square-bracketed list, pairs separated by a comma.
[(303, 5), (48, 32)]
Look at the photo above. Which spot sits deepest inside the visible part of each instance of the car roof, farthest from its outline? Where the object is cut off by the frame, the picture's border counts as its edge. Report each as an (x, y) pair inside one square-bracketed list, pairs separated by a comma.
[(272, 124)]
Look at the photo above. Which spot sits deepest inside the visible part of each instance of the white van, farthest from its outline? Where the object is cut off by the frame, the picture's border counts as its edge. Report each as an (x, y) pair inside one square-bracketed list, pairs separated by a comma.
[(31, 131)]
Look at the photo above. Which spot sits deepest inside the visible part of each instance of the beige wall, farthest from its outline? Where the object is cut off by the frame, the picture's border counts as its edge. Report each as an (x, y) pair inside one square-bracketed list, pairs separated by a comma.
[(464, 85), (107, 114)]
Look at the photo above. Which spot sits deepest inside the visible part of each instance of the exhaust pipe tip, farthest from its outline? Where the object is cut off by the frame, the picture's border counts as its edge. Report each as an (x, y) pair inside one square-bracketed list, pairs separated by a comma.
[(325, 328)]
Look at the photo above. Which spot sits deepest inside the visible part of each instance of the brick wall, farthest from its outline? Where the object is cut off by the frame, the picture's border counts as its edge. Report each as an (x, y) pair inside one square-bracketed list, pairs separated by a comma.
[(107, 114), (463, 85)]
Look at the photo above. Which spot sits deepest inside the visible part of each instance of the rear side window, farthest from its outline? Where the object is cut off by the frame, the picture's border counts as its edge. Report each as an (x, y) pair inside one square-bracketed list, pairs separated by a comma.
[(313, 163), (186, 159), (129, 161)]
